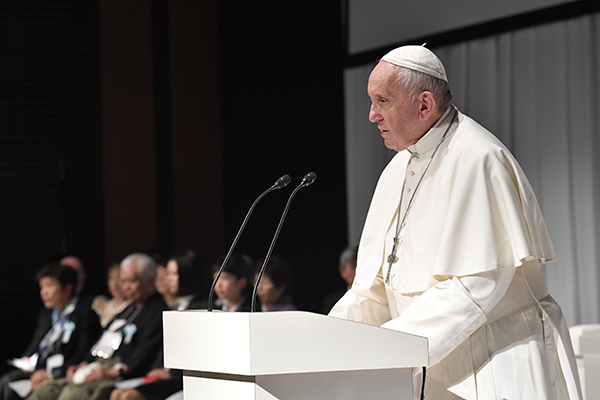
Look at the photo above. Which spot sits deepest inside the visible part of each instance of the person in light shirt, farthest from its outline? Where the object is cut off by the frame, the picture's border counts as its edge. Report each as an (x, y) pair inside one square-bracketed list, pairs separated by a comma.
[(453, 246), (107, 308)]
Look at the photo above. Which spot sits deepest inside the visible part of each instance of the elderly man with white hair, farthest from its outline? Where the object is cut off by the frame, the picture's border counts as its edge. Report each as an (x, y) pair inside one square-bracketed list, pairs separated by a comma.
[(453, 247), (127, 348)]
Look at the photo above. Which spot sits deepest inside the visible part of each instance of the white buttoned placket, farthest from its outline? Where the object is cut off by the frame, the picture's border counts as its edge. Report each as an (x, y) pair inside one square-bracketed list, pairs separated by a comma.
[(417, 166), (414, 170)]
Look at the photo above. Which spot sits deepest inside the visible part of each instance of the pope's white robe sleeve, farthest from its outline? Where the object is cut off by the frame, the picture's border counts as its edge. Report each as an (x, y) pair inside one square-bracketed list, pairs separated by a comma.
[(448, 313), (368, 306)]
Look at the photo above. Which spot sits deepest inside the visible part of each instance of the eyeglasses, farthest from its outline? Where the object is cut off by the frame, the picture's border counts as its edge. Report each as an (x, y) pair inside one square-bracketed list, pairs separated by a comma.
[(129, 280)]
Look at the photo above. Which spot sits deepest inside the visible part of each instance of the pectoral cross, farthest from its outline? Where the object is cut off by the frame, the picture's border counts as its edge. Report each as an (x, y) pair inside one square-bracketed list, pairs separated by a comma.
[(392, 258)]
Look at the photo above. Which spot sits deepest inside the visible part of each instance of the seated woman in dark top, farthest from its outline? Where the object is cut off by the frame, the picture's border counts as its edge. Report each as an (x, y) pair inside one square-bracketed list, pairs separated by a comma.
[(66, 329), (184, 273)]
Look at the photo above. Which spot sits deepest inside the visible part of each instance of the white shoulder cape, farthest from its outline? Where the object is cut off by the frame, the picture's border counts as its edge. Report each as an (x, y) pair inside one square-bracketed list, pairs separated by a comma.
[(475, 211)]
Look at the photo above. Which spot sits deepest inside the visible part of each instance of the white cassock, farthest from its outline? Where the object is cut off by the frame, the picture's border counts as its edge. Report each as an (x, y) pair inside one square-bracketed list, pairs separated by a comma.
[(469, 271)]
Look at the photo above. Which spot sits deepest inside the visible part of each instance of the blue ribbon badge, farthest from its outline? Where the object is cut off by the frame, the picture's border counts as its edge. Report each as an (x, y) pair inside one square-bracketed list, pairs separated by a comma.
[(129, 331), (68, 328)]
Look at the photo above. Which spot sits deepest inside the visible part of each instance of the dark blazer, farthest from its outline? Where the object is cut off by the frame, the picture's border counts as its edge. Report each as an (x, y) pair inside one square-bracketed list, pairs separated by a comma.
[(140, 353), (43, 325), (86, 333)]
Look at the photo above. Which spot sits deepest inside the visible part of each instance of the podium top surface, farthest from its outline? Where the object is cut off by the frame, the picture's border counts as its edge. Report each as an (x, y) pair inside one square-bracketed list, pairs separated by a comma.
[(267, 343)]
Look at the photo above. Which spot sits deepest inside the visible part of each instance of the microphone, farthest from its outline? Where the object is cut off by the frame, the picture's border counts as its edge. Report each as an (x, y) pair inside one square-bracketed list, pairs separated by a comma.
[(280, 183), (307, 180)]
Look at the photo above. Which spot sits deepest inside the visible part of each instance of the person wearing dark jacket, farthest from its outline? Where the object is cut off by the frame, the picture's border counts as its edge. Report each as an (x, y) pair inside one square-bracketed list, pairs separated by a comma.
[(65, 331), (182, 281), (136, 334)]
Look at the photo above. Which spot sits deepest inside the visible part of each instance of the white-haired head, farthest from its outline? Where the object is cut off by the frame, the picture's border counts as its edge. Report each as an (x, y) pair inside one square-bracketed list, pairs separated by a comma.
[(145, 264), (137, 276), (421, 70)]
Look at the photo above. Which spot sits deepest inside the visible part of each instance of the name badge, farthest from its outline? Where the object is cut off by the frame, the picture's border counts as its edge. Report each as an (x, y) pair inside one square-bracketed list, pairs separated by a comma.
[(55, 361), (129, 331), (107, 345), (116, 325), (68, 329)]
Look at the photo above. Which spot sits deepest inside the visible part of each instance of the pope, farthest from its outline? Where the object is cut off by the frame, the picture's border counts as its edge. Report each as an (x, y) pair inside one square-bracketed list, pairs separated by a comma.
[(453, 246)]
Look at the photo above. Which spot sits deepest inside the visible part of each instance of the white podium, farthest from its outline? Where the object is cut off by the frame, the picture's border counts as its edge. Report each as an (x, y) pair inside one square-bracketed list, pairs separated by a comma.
[(586, 344), (289, 355)]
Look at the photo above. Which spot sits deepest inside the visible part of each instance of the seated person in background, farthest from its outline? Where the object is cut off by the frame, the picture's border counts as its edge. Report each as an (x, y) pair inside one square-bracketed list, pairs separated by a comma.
[(232, 287), (347, 270), (182, 280), (138, 329), (162, 285), (76, 263), (161, 276), (107, 309), (272, 289), (65, 331)]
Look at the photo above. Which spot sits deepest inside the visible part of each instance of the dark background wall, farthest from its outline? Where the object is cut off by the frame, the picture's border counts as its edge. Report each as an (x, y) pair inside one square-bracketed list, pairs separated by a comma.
[(147, 124), (50, 151), (282, 88)]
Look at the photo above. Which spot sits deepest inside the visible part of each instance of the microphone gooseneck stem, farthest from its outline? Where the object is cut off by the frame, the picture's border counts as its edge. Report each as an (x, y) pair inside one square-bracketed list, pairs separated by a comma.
[(308, 179), (281, 182)]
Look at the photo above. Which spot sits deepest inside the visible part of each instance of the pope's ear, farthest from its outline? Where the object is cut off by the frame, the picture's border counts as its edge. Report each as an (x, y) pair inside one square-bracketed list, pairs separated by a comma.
[(427, 105)]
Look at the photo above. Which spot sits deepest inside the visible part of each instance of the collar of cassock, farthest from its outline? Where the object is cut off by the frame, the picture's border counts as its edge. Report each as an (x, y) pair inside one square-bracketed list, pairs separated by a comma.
[(431, 139)]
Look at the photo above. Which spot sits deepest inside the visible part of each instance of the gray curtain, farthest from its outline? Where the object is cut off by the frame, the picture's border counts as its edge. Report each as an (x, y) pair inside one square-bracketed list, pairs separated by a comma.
[(538, 90)]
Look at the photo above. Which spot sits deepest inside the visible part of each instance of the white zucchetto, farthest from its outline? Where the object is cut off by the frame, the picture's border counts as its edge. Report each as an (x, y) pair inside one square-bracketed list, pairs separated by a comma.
[(418, 58)]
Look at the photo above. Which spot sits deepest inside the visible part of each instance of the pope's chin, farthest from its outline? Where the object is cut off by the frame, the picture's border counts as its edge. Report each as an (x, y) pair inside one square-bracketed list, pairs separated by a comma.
[(390, 143)]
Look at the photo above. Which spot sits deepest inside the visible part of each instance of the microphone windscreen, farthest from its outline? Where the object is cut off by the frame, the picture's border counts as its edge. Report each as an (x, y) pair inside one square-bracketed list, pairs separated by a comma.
[(309, 178), (283, 181)]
